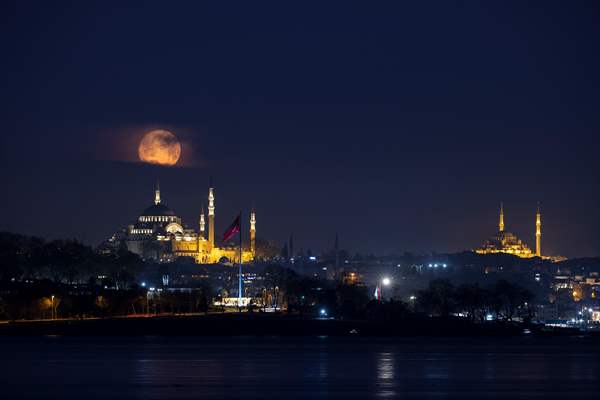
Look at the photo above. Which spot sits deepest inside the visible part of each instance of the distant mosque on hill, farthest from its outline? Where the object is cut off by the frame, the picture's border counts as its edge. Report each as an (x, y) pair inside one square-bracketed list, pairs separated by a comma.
[(507, 242), (159, 234)]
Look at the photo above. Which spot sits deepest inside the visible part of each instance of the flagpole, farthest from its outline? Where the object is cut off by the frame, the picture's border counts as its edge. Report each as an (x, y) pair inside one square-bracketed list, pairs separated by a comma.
[(240, 270)]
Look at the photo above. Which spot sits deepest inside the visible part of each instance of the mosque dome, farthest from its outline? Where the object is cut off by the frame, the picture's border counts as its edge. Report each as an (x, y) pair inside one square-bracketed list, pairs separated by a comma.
[(158, 210)]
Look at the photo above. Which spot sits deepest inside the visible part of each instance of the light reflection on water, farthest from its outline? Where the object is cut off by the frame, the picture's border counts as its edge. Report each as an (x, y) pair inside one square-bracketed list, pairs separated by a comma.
[(298, 368), (385, 374)]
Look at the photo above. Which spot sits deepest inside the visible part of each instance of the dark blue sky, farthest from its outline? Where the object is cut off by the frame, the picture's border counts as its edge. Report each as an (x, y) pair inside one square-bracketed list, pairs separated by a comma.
[(401, 126)]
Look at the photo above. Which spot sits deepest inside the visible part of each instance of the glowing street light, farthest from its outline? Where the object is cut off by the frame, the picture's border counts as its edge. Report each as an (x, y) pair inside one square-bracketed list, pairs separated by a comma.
[(384, 282), (52, 306), (413, 301)]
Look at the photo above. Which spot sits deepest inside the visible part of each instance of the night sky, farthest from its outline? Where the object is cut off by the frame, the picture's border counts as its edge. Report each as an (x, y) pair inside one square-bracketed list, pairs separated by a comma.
[(400, 126)]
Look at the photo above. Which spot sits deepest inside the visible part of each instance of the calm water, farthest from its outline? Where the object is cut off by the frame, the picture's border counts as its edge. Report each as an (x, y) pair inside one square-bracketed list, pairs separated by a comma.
[(305, 368)]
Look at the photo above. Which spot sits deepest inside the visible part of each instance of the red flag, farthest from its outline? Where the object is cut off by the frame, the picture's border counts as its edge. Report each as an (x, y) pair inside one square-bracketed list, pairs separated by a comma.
[(232, 230)]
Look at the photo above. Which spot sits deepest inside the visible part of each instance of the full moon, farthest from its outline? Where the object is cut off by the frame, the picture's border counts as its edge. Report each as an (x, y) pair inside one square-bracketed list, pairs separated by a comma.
[(159, 147)]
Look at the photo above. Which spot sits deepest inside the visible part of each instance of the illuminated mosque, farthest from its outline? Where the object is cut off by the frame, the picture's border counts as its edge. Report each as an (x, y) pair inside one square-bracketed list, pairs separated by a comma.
[(507, 242), (159, 234)]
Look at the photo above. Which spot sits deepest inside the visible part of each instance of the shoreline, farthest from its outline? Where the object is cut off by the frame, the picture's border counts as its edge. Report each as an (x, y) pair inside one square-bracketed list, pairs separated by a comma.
[(234, 324)]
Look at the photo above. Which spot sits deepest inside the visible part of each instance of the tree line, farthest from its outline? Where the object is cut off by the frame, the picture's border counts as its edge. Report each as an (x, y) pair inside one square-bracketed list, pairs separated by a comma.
[(40, 279), (64, 262), (501, 300)]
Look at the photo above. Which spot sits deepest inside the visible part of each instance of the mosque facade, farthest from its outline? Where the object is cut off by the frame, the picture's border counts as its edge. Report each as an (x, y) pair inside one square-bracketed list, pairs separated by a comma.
[(507, 242), (159, 234)]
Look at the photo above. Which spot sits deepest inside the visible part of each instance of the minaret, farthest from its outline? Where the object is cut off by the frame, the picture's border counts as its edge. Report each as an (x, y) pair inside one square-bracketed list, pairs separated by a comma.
[(202, 223), (501, 224), (538, 232), (157, 193), (253, 232), (211, 217)]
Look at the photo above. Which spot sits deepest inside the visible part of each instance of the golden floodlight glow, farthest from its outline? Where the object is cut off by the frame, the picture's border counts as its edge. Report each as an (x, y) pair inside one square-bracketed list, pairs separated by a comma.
[(159, 147)]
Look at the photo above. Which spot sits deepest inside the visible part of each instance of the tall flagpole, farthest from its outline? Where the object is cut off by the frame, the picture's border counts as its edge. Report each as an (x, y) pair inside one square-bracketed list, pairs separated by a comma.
[(240, 271)]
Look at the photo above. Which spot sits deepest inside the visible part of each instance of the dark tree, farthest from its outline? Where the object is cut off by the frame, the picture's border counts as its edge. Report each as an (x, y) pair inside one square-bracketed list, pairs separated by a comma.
[(438, 298)]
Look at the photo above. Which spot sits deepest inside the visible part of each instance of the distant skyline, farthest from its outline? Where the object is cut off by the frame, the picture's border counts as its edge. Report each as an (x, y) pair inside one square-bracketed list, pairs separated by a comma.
[(401, 127)]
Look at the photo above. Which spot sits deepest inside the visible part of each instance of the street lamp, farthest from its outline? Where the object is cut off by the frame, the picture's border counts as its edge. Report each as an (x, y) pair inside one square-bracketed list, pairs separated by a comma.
[(384, 282), (413, 301), (52, 306)]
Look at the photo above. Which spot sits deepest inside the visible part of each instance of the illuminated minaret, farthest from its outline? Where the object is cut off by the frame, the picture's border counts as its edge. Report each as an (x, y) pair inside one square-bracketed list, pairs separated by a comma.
[(211, 217), (538, 232), (501, 224), (157, 193), (202, 224), (252, 232)]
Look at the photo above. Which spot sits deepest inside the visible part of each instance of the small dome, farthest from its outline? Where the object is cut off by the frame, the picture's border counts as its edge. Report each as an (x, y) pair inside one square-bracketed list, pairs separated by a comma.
[(158, 210)]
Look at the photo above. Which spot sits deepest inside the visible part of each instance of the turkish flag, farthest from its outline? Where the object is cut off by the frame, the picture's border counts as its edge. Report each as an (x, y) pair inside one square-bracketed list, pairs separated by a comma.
[(232, 230)]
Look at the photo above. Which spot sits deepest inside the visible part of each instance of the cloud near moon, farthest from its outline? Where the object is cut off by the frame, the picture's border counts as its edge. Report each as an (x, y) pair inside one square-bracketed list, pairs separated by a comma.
[(159, 147)]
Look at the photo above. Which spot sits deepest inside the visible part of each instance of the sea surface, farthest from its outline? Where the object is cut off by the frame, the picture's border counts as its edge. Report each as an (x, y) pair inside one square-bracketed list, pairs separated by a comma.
[(298, 368)]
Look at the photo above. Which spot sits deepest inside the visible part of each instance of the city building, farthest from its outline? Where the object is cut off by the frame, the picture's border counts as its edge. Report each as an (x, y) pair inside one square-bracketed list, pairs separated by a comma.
[(159, 234)]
